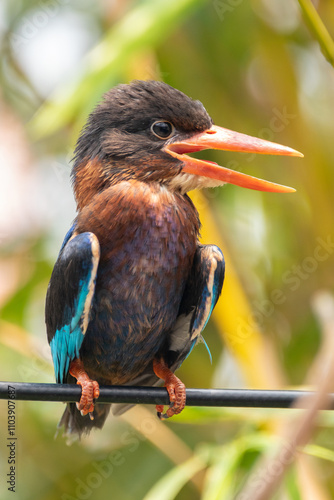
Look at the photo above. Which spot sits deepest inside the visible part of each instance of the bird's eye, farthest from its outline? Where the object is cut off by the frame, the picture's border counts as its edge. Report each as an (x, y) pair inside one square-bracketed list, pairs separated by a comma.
[(163, 130)]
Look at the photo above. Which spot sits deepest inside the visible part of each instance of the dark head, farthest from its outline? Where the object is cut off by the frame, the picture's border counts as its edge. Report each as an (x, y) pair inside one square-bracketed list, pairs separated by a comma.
[(143, 131)]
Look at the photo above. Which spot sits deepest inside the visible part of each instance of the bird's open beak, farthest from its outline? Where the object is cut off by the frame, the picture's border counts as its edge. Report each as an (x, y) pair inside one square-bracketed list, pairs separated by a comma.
[(224, 139)]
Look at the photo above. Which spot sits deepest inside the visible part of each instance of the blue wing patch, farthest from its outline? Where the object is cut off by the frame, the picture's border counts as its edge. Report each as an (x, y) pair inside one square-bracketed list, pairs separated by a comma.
[(69, 298)]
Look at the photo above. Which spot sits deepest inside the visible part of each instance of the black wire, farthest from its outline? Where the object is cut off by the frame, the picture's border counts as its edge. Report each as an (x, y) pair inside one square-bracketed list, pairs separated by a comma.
[(238, 398)]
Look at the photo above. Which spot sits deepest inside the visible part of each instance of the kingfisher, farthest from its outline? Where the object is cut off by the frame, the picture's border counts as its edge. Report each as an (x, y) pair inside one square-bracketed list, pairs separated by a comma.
[(133, 288)]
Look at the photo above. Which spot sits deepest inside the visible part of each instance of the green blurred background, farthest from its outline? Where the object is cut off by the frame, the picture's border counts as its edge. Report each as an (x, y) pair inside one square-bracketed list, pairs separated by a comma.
[(258, 69)]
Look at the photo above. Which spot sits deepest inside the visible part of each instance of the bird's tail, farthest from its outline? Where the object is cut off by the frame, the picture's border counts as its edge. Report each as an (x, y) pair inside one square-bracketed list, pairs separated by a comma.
[(75, 424)]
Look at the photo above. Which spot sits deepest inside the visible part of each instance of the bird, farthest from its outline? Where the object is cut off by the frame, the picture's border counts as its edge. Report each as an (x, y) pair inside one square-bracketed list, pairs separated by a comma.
[(133, 288)]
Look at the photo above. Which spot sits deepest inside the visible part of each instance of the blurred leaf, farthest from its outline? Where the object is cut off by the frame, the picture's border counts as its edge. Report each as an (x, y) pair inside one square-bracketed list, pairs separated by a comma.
[(220, 476), (170, 484), (318, 29), (292, 488), (320, 452)]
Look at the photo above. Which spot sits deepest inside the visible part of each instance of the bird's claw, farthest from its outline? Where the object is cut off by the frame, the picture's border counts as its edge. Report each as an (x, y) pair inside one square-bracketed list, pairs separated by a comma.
[(176, 391), (90, 389), (90, 392), (160, 409), (163, 416)]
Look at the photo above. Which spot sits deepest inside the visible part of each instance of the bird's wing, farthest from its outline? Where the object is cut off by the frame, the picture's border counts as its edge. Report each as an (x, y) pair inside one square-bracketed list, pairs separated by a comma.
[(69, 298), (199, 299)]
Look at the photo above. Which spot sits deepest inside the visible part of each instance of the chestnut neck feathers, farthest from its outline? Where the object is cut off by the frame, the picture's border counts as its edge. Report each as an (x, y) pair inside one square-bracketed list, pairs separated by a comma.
[(118, 144)]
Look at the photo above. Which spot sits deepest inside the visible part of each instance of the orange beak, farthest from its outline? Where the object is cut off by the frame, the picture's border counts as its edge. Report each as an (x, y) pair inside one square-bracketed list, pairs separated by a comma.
[(227, 140)]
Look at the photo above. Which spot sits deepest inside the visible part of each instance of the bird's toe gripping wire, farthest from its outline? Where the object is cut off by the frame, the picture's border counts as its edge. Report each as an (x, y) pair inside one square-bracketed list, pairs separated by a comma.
[(175, 387), (90, 388)]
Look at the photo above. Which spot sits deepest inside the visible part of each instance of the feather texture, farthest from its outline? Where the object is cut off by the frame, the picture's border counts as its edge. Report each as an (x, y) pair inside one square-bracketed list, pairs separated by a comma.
[(69, 298)]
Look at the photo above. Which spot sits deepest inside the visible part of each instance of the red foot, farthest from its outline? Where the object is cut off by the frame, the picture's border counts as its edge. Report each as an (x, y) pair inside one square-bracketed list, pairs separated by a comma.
[(176, 390), (90, 388)]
